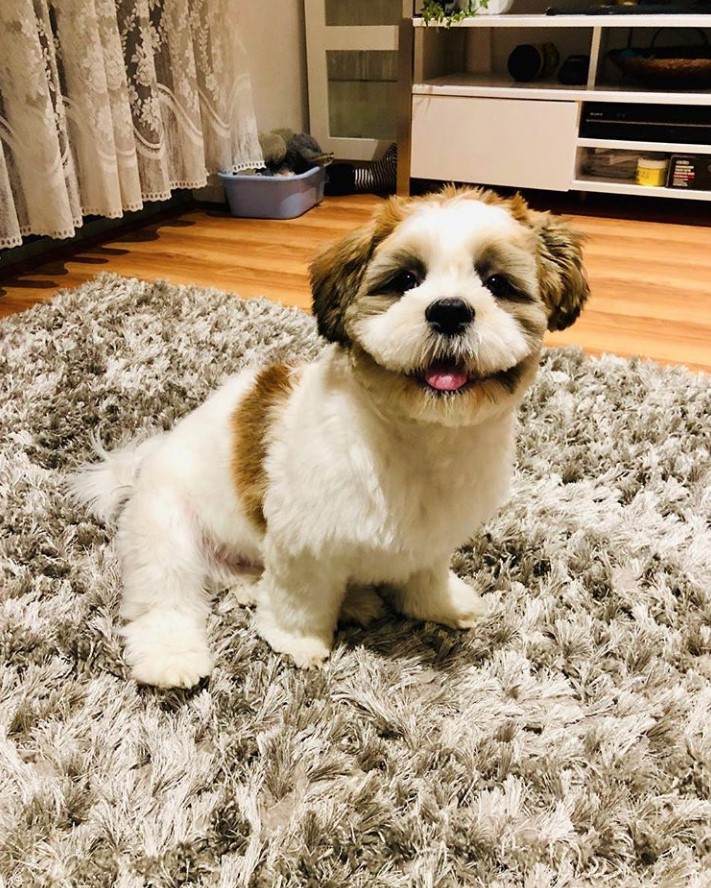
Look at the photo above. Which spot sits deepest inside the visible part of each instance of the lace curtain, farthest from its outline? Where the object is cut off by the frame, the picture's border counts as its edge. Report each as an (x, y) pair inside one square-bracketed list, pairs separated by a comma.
[(107, 103)]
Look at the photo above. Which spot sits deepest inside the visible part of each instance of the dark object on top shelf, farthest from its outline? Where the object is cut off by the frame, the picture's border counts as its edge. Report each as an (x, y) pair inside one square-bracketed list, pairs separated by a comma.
[(667, 67), (574, 70), (634, 9), (530, 61)]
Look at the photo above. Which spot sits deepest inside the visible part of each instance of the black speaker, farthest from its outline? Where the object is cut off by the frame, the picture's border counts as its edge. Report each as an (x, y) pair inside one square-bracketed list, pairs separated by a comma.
[(533, 61), (574, 70)]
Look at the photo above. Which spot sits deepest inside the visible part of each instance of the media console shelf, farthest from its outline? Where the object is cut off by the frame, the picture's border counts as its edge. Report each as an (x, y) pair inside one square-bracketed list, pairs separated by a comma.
[(465, 119)]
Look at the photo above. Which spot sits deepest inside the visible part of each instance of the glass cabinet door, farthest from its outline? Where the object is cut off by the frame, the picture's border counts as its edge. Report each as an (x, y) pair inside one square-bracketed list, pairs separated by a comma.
[(361, 93), (352, 61)]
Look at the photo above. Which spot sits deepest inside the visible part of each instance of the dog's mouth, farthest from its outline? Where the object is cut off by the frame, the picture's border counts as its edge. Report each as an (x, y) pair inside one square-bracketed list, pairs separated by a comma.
[(445, 377), (451, 377)]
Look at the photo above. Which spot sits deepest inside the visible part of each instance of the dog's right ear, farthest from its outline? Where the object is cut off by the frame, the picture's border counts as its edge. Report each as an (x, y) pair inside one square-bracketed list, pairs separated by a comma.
[(336, 275)]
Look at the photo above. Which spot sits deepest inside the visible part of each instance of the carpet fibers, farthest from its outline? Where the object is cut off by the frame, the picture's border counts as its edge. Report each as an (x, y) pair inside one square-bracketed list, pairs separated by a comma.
[(564, 742)]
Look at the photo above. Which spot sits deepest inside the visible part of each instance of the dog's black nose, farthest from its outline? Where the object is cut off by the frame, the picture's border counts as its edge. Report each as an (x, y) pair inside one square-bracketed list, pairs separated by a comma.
[(449, 316)]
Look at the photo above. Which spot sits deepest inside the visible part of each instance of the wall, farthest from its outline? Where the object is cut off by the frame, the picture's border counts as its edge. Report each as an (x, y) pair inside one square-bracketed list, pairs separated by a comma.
[(274, 42), (273, 38)]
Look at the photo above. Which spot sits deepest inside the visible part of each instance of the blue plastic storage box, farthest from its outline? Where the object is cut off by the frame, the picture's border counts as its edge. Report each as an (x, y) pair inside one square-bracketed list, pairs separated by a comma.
[(274, 197)]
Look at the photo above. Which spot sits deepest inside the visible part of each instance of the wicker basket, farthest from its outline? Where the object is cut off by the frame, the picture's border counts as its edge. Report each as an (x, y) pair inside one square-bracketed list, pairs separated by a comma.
[(667, 67)]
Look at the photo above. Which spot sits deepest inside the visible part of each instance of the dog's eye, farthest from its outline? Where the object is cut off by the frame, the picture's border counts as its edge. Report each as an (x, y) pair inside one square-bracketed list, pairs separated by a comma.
[(499, 285), (404, 281)]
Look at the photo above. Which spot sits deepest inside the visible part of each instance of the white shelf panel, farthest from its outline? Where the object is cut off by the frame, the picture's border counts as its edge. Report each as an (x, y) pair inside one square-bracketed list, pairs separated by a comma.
[(474, 150), (576, 21), (660, 147), (503, 87), (590, 183)]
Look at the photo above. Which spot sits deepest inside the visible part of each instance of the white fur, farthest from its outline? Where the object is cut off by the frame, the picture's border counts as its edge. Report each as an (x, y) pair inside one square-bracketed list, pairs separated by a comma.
[(348, 504), (447, 239), (355, 496)]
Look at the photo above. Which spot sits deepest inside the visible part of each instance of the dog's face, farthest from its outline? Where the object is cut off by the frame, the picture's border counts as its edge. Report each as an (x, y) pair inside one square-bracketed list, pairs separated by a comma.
[(443, 302)]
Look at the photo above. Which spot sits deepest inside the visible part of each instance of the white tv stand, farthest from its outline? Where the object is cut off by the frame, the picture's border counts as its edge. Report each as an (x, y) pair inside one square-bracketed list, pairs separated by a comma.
[(463, 118)]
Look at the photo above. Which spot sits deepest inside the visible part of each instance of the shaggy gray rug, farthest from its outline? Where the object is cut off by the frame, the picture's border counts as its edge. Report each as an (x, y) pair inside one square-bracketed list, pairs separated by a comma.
[(565, 742)]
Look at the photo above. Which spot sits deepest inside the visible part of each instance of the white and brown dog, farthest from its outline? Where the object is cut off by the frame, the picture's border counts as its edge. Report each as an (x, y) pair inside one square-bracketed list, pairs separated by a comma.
[(367, 466)]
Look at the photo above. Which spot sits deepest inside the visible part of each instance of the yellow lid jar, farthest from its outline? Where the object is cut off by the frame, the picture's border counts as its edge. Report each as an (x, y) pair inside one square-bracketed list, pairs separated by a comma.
[(652, 171)]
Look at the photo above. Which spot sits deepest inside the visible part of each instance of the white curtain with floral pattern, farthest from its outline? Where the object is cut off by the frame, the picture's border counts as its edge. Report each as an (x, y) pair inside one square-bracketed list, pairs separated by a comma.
[(105, 104)]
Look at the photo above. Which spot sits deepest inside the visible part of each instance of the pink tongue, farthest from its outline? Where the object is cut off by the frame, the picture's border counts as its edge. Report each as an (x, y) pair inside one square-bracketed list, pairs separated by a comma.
[(444, 379)]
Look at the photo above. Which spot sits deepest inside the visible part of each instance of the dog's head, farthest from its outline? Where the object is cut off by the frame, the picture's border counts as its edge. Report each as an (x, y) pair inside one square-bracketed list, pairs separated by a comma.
[(443, 301)]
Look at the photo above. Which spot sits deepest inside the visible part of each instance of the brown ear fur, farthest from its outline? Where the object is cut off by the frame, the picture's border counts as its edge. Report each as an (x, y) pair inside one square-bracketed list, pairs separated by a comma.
[(336, 275), (561, 271), (337, 272)]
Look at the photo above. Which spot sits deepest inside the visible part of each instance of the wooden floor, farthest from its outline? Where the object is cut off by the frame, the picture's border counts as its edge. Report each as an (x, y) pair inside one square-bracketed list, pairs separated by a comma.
[(651, 280)]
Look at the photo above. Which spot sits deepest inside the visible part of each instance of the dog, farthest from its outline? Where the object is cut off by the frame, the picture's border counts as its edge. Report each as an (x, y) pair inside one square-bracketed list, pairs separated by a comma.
[(364, 469)]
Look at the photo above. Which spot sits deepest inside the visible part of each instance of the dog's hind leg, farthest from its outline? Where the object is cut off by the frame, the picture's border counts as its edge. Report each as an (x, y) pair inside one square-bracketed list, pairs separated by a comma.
[(361, 605), (164, 601), (104, 486)]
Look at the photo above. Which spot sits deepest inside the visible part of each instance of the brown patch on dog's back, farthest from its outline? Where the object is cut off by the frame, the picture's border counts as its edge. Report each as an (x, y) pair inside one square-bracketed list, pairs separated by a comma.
[(251, 422)]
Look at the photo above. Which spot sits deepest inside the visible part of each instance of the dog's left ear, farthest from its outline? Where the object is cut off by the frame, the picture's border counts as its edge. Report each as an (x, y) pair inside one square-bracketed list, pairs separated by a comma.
[(561, 272)]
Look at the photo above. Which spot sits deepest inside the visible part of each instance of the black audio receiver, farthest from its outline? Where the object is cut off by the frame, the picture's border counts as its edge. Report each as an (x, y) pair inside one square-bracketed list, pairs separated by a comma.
[(683, 124)]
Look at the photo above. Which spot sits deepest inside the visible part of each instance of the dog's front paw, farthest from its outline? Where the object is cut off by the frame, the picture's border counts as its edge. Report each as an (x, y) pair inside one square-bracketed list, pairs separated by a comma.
[(167, 649), (444, 599), (463, 608), (307, 651)]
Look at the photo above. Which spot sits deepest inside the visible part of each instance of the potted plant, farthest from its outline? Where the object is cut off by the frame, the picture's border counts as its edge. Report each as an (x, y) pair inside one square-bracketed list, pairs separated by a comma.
[(449, 12)]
